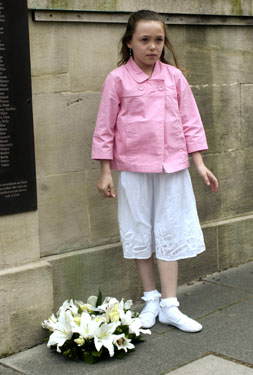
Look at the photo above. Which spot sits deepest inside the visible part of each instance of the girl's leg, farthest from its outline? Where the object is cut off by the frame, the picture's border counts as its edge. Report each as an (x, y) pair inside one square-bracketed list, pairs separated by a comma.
[(169, 313), (168, 276), (151, 296), (145, 268)]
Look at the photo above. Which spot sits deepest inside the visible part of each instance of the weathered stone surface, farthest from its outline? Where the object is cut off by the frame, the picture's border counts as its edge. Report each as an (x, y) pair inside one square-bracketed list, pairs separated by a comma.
[(19, 241), (50, 83), (219, 107), (213, 56), (235, 242), (26, 300), (102, 211), (225, 7), (246, 113), (92, 54), (63, 215), (64, 125), (81, 273), (209, 204), (206, 262), (49, 54), (234, 197)]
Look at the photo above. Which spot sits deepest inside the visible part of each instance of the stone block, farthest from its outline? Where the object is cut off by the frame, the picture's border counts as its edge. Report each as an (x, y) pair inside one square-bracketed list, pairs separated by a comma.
[(102, 211), (237, 194), (211, 55), (234, 197), (209, 204), (219, 108), (204, 263), (63, 215), (64, 125), (48, 51), (19, 239), (92, 54), (246, 116), (80, 274), (225, 7), (235, 240), (50, 83), (26, 300)]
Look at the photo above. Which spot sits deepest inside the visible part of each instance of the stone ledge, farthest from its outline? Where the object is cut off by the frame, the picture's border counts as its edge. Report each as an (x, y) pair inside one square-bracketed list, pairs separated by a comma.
[(216, 7)]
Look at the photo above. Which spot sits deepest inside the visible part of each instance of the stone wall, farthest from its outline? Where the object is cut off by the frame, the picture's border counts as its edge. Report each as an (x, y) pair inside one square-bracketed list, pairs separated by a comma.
[(70, 246)]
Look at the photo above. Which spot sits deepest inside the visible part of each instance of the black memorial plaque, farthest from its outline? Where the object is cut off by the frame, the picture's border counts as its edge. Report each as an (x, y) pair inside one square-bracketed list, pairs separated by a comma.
[(17, 160)]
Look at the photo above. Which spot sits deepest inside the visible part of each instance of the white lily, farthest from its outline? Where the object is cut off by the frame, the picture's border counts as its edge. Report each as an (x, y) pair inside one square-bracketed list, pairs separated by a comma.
[(135, 327), (62, 330), (87, 326), (92, 300), (80, 341), (68, 305), (50, 323), (104, 337), (128, 304), (108, 303), (90, 306), (126, 317), (122, 342)]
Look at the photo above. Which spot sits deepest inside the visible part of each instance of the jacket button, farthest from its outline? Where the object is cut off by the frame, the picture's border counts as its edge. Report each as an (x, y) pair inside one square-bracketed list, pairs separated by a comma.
[(161, 87), (141, 87)]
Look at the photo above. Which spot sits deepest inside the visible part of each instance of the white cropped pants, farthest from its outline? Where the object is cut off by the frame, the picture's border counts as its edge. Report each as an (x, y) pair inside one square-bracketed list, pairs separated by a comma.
[(157, 213)]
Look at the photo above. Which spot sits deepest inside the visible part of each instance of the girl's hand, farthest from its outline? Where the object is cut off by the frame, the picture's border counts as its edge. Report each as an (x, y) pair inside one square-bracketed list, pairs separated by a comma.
[(204, 172), (105, 186), (208, 177)]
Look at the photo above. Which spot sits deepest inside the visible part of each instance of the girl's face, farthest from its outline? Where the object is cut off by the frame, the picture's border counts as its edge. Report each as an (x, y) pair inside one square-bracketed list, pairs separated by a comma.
[(147, 43)]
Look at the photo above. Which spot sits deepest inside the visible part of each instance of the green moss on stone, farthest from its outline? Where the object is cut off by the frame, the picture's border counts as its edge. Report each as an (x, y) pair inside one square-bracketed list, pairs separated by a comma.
[(98, 5), (237, 7)]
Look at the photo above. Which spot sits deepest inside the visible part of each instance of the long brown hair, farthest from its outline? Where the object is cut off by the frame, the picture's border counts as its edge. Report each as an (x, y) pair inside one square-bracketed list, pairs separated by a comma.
[(146, 15)]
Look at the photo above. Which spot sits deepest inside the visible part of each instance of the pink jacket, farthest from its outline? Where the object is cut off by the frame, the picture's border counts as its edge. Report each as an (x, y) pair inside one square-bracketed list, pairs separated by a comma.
[(147, 124)]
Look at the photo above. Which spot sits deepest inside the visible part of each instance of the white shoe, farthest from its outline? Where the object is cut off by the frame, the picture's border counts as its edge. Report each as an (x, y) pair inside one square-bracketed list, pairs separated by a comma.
[(171, 315), (151, 310)]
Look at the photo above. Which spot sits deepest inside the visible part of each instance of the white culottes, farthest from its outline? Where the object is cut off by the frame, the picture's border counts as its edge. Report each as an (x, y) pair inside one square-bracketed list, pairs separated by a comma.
[(157, 213)]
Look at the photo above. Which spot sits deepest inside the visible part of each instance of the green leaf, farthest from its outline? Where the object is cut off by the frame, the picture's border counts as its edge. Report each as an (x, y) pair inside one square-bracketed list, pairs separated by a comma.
[(120, 354), (100, 298), (88, 358), (95, 353), (80, 311)]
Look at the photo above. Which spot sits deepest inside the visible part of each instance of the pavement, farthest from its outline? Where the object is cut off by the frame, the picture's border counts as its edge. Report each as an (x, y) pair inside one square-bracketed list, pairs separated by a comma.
[(221, 302)]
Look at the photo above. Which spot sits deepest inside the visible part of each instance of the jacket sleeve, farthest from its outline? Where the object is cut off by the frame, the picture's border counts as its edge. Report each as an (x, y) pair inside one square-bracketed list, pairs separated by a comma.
[(103, 137), (192, 125)]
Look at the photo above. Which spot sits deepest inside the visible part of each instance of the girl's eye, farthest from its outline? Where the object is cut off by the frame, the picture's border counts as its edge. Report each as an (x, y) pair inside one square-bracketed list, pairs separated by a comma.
[(144, 39)]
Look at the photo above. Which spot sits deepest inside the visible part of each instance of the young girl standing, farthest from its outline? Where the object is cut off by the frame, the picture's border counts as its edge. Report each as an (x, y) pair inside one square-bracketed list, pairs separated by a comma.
[(147, 124)]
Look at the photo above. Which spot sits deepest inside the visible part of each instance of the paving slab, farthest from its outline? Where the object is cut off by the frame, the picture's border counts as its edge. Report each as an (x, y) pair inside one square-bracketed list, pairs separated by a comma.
[(240, 277), (228, 332), (7, 371), (212, 365)]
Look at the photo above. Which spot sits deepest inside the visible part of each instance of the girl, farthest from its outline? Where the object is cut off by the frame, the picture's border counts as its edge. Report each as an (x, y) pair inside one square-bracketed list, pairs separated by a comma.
[(147, 124)]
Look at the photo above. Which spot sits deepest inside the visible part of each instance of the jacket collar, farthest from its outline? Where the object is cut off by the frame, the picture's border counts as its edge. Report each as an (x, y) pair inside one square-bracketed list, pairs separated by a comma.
[(137, 73)]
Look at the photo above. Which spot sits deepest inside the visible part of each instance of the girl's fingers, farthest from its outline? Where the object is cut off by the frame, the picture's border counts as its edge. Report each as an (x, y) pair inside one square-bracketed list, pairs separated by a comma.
[(107, 191), (112, 192)]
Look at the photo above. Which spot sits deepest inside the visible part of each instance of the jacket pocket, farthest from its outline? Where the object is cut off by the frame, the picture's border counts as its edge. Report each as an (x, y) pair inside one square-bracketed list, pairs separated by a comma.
[(144, 142)]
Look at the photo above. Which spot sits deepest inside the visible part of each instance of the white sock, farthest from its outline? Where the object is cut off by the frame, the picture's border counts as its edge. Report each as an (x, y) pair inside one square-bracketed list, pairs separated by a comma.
[(152, 293)]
